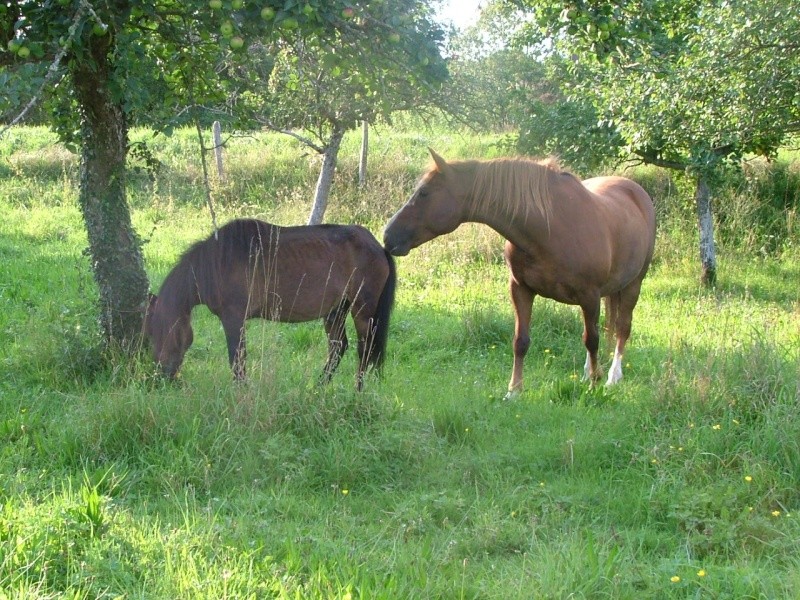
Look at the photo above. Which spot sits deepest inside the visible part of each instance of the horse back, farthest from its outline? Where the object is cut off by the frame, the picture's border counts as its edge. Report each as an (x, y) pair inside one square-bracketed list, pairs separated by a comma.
[(295, 273), (620, 195)]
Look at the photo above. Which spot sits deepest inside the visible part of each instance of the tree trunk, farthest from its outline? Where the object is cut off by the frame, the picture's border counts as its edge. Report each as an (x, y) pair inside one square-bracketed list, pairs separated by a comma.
[(114, 247), (705, 221), (329, 158), (362, 162)]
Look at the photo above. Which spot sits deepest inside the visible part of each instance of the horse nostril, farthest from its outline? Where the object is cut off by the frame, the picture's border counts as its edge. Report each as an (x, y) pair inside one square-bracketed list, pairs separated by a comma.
[(396, 242)]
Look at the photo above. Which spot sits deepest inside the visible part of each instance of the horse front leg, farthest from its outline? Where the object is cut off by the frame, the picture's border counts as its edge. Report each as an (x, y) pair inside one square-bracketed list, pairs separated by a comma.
[(235, 338), (591, 339), (522, 299), (337, 340)]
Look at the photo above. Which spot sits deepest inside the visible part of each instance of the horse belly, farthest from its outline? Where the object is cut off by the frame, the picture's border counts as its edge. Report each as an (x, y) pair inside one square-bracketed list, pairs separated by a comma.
[(551, 278), (299, 299)]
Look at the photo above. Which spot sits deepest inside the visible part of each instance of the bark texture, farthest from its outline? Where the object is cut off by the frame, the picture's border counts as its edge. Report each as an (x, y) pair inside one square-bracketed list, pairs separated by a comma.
[(705, 222), (325, 180)]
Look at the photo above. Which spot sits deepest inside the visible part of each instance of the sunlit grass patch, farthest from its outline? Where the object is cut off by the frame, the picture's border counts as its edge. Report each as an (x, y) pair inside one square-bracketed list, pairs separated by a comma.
[(679, 482)]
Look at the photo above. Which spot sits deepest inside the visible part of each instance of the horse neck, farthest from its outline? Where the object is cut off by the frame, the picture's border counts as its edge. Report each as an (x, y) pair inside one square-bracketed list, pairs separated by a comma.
[(514, 222), (179, 292)]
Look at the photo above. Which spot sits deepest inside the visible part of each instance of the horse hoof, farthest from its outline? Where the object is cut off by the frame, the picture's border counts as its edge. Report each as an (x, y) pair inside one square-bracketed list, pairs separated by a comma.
[(511, 395)]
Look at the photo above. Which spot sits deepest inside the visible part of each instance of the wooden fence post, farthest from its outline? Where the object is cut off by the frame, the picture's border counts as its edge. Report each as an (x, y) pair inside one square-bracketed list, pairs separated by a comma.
[(362, 163), (217, 128)]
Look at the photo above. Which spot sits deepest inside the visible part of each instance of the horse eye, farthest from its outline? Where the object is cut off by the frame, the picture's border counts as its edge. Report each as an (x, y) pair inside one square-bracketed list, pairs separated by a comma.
[(423, 193)]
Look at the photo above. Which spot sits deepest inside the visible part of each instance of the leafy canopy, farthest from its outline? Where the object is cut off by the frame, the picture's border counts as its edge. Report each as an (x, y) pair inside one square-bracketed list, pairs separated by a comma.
[(685, 83), (171, 57)]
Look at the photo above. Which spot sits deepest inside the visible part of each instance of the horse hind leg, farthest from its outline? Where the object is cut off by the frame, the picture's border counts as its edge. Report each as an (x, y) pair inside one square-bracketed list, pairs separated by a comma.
[(591, 340), (612, 303), (365, 329), (337, 339), (235, 338), (626, 301)]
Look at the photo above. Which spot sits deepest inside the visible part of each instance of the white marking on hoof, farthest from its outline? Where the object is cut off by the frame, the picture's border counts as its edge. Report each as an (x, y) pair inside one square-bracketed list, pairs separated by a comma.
[(587, 369), (615, 372), (512, 394)]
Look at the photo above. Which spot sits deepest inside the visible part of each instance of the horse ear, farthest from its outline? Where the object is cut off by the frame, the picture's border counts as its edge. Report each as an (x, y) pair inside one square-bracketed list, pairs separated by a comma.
[(441, 164)]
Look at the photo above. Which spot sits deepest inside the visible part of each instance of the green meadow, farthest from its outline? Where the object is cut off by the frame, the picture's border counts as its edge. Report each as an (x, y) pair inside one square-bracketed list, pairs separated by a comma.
[(681, 482)]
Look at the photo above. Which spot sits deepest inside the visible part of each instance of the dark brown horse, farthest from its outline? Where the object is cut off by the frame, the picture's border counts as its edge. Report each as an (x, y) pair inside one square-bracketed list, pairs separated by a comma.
[(570, 240), (255, 269)]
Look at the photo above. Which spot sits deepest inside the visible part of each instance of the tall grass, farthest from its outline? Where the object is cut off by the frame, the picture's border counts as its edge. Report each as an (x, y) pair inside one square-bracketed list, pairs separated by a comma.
[(681, 482)]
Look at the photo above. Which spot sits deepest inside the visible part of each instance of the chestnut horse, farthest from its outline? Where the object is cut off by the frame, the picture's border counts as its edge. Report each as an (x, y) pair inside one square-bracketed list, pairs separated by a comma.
[(254, 269), (570, 240)]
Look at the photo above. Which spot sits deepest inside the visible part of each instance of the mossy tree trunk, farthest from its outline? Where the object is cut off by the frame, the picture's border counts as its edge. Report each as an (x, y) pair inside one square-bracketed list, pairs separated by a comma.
[(114, 247)]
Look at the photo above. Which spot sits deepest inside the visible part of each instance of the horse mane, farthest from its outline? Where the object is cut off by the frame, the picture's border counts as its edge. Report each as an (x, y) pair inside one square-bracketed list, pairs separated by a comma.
[(194, 276), (518, 184)]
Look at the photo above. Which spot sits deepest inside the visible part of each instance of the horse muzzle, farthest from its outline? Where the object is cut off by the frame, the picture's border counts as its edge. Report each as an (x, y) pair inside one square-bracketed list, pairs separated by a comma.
[(397, 243), (398, 250)]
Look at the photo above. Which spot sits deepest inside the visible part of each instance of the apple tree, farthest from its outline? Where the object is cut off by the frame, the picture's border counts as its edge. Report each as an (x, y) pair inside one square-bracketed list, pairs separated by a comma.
[(385, 57), (686, 85), (96, 67)]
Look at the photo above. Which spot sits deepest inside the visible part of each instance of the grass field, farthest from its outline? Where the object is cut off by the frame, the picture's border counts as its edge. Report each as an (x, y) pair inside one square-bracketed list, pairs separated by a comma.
[(681, 482)]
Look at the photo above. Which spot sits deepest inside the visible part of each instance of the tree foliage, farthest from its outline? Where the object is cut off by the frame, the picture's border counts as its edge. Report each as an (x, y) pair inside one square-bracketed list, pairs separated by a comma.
[(685, 83), (317, 88)]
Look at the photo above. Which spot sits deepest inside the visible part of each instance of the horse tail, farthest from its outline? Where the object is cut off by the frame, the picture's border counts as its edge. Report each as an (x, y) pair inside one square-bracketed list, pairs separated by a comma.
[(612, 313), (383, 311)]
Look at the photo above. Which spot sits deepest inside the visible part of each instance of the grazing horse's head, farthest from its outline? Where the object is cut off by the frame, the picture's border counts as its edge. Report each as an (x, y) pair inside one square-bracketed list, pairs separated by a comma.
[(170, 335), (435, 208)]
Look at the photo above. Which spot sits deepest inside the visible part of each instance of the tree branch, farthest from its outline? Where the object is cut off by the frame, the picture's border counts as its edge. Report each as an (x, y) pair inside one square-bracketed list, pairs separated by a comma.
[(302, 139), (650, 157), (52, 69)]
